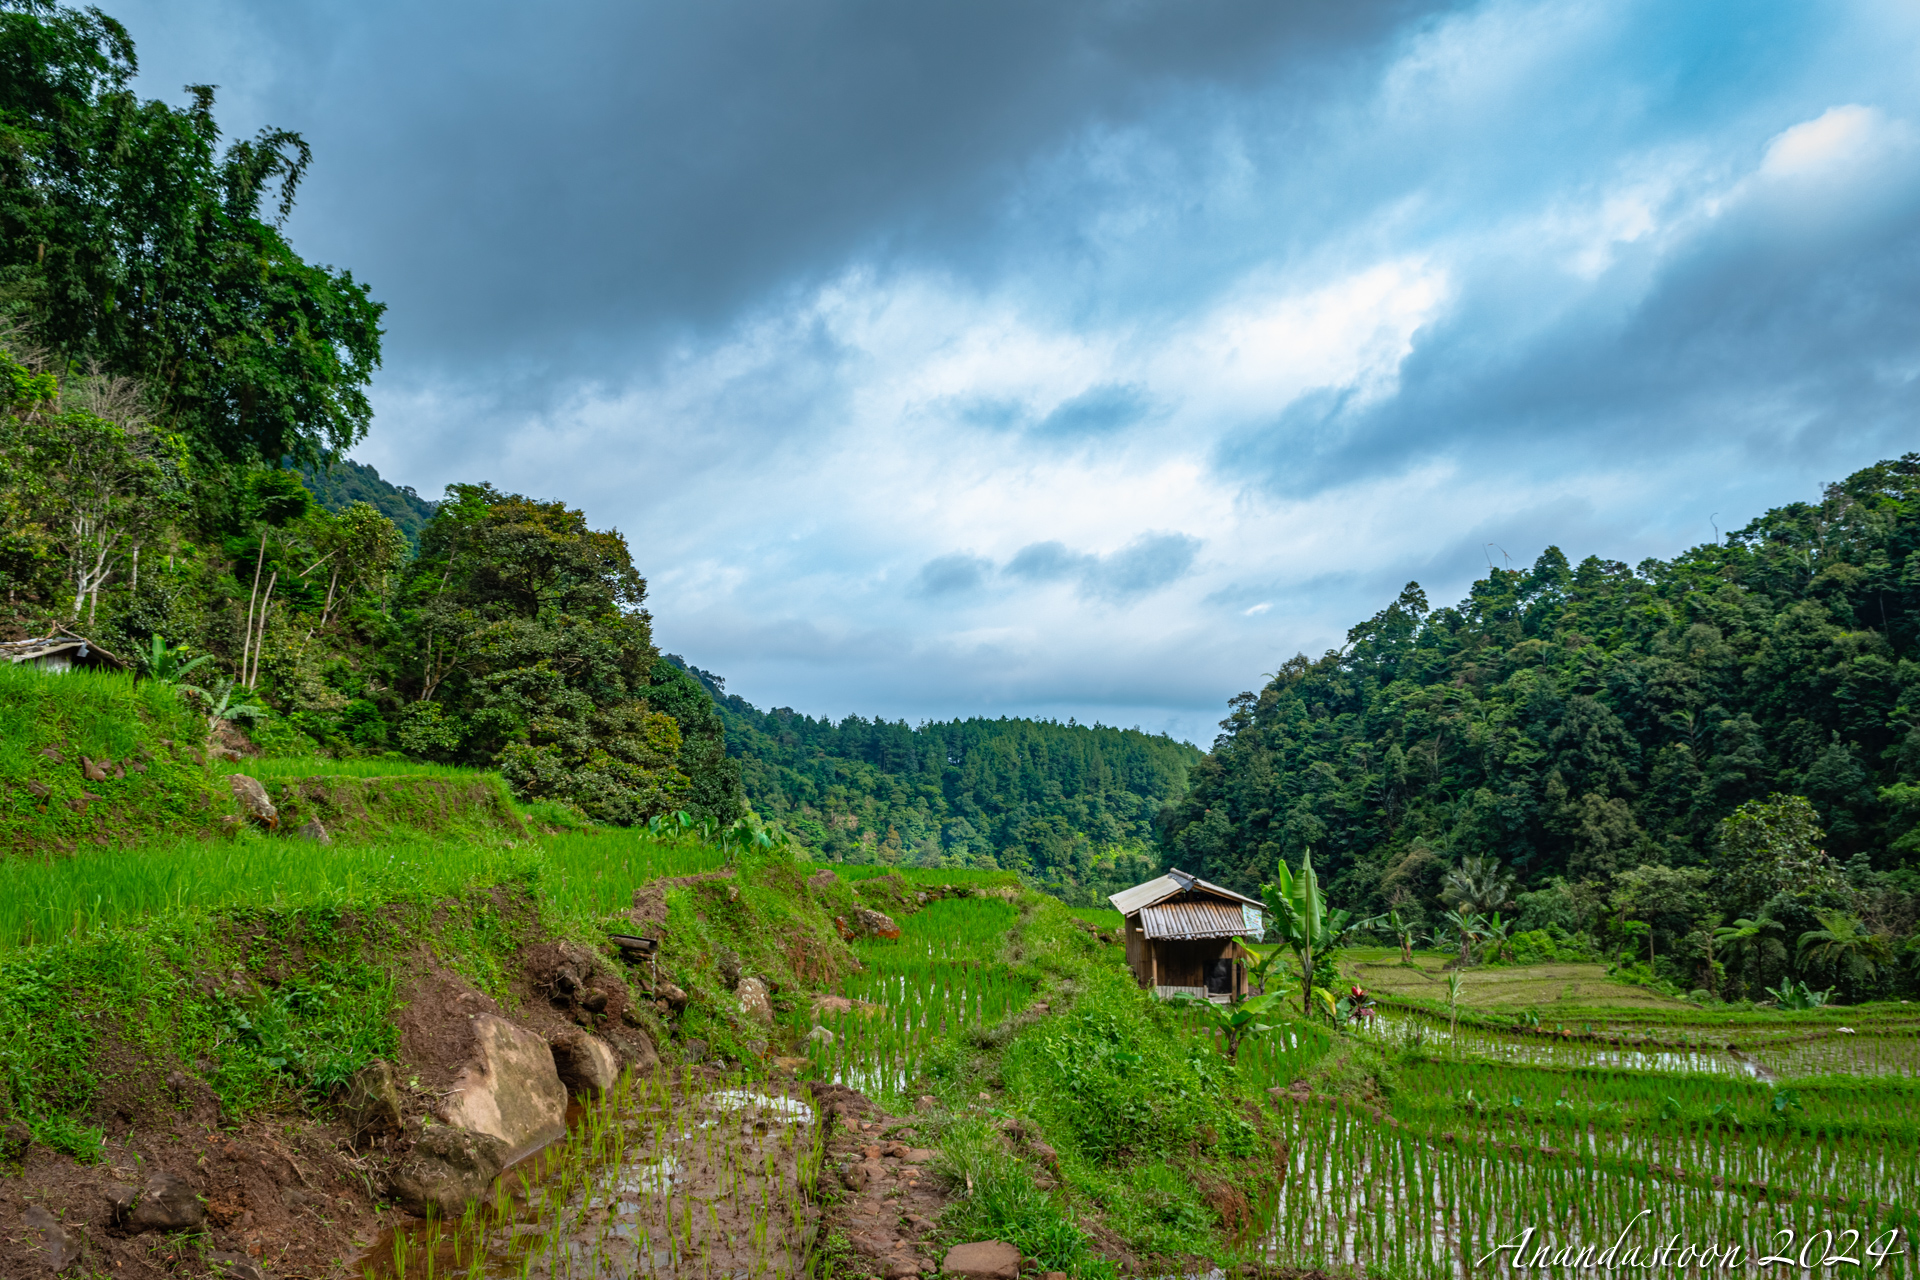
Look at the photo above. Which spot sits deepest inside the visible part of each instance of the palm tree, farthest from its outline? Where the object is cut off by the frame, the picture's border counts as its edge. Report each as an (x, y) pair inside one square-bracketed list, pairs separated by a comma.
[(1477, 885), (1469, 927), (1402, 930), (1843, 943)]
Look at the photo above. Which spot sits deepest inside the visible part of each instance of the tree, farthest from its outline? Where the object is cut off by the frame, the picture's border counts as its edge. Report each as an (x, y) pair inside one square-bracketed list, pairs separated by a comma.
[(97, 487), (1478, 886), (128, 243), (526, 627), (1843, 945)]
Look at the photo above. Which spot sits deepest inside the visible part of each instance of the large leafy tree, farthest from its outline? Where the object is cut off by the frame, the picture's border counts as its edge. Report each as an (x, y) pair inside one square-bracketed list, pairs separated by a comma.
[(130, 242), (525, 644)]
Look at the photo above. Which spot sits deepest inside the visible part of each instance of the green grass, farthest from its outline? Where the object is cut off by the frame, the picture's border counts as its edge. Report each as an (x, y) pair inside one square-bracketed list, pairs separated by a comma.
[(63, 897), (48, 805), (856, 871), (1105, 917), (272, 768)]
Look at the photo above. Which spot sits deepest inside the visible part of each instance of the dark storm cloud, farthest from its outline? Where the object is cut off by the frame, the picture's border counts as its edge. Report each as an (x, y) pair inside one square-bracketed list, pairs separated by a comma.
[(528, 182)]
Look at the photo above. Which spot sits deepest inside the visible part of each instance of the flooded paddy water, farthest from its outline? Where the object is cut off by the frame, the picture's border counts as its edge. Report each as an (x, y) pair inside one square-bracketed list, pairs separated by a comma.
[(694, 1176)]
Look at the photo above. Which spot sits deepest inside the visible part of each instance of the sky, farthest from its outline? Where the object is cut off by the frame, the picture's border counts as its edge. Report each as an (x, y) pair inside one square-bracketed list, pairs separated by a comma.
[(1091, 358)]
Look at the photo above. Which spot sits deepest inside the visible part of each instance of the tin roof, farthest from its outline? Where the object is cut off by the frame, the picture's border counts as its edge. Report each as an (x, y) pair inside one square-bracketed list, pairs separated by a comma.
[(81, 649), (1201, 919), (1175, 882)]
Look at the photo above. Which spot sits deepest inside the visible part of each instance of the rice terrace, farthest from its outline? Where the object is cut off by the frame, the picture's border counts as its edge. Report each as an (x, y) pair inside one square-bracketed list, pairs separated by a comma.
[(712, 833)]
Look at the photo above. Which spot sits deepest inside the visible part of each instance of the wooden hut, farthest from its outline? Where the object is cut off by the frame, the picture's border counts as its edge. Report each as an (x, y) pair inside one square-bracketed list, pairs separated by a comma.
[(62, 651), (1183, 935)]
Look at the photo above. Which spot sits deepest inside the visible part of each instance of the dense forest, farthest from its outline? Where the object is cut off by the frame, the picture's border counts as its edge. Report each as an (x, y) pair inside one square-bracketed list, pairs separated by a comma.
[(1071, 805), (179, 386), (1593, 728)]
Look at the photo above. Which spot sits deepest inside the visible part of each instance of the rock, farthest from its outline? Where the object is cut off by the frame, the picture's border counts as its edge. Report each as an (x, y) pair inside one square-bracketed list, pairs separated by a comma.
[(755, 1048), (694, 1051), (510, 1089), (58, 1247), (676, 998), (854, 1177), (918, 1155), (587, 1064), (820, 1035), (93, 772), (821, 881), (928, 1102), (728, 965), (1054, 1275), (15, 1138), (593, 1000), (754, 1002), (237, 1265), (372, 1105), (901, 1268), (982, 1260), (253, 800), (314, 831), (875, 924), (639, 1054), (166, 1203), (447, 1169)]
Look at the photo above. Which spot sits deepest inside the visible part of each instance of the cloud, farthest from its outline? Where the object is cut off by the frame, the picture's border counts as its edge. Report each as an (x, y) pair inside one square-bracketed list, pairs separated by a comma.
[(955, 572), (1145, 565), (1091, 359)]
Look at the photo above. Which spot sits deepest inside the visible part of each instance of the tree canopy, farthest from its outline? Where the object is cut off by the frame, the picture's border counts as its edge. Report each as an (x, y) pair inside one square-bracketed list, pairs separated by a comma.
[(1070, 804), (131, 244)]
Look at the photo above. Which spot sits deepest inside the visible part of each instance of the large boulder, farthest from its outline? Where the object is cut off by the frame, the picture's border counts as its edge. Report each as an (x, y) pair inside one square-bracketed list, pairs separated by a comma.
[(58, 1248), (372, 1104), (253, 800), (874, 924), (510, 1089), (983, 1260), (587, 1065), (165, 1203), (754, 1002), (446, 1169)]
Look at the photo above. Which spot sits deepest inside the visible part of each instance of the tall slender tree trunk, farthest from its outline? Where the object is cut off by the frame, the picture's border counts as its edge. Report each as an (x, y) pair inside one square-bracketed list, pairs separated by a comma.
[(246, 647)]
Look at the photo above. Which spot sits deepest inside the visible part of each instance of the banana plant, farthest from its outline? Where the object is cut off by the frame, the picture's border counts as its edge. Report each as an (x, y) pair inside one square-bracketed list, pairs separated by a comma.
[(1237, 1022), (165, 667), (1269, 962), (1402, 930), (1302, 922)]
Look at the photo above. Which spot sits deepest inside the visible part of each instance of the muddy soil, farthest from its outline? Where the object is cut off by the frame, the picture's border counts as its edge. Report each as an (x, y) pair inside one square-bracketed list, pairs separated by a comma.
[(889, 1198)]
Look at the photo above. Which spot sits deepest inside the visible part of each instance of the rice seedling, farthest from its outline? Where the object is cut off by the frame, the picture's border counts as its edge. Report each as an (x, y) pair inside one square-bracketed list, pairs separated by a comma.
[(667, 1176)]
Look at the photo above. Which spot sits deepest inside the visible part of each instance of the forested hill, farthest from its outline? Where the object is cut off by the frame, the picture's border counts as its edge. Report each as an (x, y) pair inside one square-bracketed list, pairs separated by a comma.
[(1582, 720), (346, 482), (1071, 804)]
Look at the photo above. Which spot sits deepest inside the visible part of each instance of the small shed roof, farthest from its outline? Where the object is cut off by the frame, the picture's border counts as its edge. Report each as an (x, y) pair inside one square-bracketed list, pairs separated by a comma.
[(63, 644), (1170, 885), (1202, 918)]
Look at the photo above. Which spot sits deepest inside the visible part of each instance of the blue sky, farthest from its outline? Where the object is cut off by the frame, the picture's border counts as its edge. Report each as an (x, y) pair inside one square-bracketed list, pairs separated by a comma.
[(1093, 358)]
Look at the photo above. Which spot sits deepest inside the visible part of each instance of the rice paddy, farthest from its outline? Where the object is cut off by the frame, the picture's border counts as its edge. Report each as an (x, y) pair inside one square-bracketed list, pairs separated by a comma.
[(693, 1176), (941, 978)]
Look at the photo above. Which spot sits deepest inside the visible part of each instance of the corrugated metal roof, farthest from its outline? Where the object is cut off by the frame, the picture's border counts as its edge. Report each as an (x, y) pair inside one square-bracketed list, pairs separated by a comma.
[(1194, 920), (1128, 901), (1176, 881)]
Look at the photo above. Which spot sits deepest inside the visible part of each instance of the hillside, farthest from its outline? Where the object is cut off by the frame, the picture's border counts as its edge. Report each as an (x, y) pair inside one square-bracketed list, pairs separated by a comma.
[(346, 482), (1593, 727), (1071, 805)]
